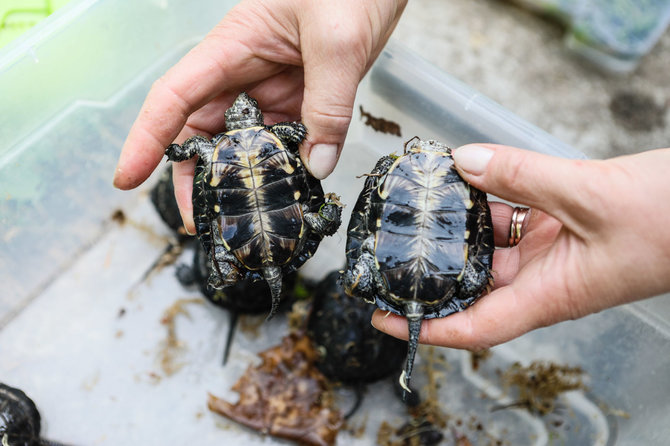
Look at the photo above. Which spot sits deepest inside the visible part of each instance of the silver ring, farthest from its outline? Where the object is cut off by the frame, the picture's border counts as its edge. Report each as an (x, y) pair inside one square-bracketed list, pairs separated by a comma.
[(518, 217)]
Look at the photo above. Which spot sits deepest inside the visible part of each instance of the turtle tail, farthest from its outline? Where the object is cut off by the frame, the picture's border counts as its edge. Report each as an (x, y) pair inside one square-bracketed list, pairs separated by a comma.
[(273, 276), (414, 314), (234, 316)]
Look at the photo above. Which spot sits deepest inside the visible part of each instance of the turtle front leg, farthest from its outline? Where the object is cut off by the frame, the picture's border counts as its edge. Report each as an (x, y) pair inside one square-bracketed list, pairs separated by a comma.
[(329, 217), (292, 134), (363, 279), (195, 145)]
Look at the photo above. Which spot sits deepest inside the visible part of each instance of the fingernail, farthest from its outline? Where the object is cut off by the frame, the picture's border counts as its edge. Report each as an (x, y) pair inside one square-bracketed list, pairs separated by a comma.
[(322, 160), (117, 177), (187, 231), (472, 159)]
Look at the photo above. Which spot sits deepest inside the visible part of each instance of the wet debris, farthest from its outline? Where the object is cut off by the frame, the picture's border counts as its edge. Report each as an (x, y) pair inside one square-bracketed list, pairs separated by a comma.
[(168, 257), (285, 396), (477, 357), (614, 411), (172, 348), (410, 434), (637, 111), (427, 417), (380, 124), (538, 385), (118, 217), (461, 440)]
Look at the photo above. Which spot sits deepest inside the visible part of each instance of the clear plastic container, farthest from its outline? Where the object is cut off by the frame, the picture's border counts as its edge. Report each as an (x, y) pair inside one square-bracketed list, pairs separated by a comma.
[(613, 34), (80, 324), (18, 16)]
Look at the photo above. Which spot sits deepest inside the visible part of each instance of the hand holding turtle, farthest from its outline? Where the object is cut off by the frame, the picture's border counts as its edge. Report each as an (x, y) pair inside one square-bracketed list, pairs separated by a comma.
[(596, 237), (299, 58)]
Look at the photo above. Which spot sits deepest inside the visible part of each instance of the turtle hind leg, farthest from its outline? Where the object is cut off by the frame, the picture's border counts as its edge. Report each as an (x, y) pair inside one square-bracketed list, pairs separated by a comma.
[(225, 270), (476, 277), (362, 278), (273, 276), (327, 220), (414, 313)]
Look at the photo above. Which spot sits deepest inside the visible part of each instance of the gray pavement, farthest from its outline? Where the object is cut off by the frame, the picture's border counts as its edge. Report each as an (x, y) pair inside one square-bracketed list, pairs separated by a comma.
[(519, 60)]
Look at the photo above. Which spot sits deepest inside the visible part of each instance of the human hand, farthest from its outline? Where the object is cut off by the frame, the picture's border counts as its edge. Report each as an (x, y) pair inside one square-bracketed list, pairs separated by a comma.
[(597, 237), (299, 58)]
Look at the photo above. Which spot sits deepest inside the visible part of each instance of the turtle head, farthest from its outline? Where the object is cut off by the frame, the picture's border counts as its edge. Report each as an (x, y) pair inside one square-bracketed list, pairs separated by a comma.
[(429, 145), (243, 113)]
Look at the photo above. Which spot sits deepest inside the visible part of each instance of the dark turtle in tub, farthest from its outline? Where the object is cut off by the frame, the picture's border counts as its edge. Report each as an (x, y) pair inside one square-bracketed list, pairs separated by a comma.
[(350, 349), (258, 213), (243, 297), (162, 197), (420, 239), (20, 421)]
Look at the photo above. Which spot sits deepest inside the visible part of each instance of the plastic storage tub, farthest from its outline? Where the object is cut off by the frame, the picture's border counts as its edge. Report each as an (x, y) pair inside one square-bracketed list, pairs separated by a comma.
[(613, 34), (80, 326), (18, 16)]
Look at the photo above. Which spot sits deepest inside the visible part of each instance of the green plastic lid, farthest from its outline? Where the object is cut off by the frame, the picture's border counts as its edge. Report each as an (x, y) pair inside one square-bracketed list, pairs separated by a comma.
[(18, 16)]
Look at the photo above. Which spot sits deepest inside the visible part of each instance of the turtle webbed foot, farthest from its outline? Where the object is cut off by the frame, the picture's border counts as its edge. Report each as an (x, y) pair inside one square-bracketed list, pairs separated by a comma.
[(328, 219), (476, 278), (364, 279), (224, 272)]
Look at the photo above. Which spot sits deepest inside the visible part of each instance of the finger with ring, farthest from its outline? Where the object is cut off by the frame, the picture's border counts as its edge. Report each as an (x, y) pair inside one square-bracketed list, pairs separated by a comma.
[(518, 217)]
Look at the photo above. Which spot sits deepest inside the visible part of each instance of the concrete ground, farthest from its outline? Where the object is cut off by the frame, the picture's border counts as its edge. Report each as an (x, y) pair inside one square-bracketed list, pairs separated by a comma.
[(518, 59)]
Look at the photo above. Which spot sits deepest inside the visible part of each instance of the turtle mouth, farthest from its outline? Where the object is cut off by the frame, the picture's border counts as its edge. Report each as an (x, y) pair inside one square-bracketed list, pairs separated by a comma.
[(243, 122)]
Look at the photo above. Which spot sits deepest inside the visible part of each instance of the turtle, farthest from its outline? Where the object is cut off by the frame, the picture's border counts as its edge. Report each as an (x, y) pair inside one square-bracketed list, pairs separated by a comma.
[(164, 201), (243, 297), (420, 239), (258, 212), (20, 421), (19, 418), (351, 350)]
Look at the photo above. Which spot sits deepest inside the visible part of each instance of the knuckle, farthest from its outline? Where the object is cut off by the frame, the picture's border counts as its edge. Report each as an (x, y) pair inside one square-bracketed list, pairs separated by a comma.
[(163, 92), (511, 174), (332, 120), (589, 201)]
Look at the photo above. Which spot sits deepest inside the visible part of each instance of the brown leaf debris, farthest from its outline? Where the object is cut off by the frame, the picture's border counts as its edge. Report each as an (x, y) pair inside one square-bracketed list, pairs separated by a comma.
[(285, 396)]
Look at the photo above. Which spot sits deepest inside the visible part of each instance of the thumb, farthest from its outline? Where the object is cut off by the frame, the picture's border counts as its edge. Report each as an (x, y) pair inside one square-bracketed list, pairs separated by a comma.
[(554, 185), (334, 63), (326, 112)]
